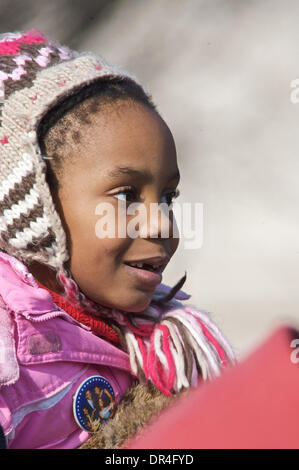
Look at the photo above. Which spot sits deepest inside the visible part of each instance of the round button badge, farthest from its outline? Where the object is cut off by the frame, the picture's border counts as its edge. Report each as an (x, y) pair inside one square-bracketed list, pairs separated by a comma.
[(94, 403)]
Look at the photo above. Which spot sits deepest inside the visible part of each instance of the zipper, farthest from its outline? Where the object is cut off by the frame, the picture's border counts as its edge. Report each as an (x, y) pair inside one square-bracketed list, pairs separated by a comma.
[(53, 314)]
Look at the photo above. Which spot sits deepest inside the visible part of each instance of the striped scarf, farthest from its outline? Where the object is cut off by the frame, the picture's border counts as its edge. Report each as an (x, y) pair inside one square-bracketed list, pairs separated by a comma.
[(171, 345)]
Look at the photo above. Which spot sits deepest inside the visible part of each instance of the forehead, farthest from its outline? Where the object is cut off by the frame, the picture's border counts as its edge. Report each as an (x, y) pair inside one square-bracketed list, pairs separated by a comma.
[(127, 135)]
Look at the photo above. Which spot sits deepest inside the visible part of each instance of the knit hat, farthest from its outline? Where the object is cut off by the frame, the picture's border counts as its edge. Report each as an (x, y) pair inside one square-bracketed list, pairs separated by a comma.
[(35, 74)]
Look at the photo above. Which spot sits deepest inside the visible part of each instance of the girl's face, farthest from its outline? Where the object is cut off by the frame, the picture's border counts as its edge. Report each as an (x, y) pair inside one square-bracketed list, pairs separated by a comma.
[(126, 151)]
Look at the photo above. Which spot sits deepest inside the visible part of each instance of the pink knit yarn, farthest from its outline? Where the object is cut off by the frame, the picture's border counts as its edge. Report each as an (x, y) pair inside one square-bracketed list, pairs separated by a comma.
[(141, 330), (167, 352), (153, 366), (70, 287), (12, 46), (211, 338)]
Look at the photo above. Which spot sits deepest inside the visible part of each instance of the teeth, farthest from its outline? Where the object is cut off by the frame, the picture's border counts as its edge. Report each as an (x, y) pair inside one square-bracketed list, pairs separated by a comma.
[(140, 265)]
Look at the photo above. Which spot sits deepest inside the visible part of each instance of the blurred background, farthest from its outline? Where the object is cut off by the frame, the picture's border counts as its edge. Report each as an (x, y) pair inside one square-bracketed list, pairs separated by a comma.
[(220, 72)]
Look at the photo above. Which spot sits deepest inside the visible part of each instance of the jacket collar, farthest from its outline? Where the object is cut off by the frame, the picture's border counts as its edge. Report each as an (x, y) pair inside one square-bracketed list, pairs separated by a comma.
[(23, 297), (20, 291)]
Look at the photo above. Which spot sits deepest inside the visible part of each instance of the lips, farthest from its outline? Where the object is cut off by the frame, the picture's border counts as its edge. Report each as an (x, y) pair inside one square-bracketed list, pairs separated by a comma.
[(147, 271), (146, 277)]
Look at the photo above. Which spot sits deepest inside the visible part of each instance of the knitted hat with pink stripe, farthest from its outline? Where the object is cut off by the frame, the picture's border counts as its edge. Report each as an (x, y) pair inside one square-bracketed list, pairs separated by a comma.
[(174, 345)]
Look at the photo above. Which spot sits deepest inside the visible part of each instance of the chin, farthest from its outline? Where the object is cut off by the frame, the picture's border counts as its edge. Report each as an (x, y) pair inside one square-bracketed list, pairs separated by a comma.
[(133, 303), (138, 305)]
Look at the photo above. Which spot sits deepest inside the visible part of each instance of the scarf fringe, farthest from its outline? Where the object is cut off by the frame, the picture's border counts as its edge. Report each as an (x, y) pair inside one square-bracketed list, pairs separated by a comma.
[(171, 345), (184, 348)]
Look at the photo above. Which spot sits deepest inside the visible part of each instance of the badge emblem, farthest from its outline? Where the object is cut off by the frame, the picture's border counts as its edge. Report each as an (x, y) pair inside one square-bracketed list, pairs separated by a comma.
[(94, 403)]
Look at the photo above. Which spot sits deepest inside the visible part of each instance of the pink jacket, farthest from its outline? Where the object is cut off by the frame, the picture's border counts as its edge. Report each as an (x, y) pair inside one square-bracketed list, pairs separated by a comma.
[(44, 356)]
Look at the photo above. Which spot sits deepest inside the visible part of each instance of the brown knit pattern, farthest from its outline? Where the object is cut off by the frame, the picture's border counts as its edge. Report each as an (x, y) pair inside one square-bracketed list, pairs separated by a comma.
[(18, 192), (42, 242), (25, 219), (7, 64)]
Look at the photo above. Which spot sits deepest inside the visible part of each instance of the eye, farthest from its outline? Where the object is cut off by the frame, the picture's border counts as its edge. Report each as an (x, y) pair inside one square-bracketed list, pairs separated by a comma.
[(131, 194), (172, 195), (128, 191)]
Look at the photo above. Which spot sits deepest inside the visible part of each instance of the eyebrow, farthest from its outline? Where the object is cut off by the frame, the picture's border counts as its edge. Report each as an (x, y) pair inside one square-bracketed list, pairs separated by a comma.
[(145, 175)]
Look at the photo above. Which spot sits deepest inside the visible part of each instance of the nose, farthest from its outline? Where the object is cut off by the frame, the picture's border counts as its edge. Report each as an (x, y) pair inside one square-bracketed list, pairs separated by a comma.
[(158, 221)]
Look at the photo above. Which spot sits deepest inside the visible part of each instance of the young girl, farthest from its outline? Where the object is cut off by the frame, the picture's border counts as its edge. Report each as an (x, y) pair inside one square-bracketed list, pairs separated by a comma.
[(81, 313)]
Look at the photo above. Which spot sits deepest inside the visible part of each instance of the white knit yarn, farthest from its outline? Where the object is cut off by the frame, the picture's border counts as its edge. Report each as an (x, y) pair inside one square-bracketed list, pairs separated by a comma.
[(20, 208), (201, 340), (131, 351), (204, 316), (22, 168), (157, 342)]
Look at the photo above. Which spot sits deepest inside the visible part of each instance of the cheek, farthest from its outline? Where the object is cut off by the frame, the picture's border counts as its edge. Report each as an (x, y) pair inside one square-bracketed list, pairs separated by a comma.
[(87, 230), (96, 267), (95, 255), (91, 250)]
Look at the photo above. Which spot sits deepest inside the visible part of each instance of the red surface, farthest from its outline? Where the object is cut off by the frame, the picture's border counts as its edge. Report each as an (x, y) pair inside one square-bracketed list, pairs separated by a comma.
[(254, 404)]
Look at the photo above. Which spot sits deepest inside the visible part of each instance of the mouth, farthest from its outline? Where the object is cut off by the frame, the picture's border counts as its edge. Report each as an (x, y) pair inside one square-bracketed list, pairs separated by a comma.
[(149, 270), (155, 264)]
